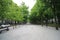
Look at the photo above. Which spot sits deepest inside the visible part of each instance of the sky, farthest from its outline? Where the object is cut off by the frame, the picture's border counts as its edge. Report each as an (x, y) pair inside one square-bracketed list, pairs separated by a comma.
[(29, 3)]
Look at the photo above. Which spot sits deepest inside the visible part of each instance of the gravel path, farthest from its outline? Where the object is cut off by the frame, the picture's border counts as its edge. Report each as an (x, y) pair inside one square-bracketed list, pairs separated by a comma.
[(31, 32)]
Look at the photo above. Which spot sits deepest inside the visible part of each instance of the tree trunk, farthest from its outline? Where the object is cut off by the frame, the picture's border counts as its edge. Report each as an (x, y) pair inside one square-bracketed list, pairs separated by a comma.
[(2, 21), (46, 22)]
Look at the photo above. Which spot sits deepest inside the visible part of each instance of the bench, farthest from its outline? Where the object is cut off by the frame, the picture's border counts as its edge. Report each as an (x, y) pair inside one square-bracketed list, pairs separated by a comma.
[(4, 27)]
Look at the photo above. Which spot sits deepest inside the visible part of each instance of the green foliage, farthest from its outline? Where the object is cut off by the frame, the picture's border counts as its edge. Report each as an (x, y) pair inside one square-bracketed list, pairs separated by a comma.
[(10, 11), (40, 12), (24, 12), (48, 13), (4, 8)]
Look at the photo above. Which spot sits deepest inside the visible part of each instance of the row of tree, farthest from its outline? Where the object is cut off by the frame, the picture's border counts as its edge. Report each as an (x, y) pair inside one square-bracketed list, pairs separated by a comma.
[(41, 12), (11, 13), (45, 11)]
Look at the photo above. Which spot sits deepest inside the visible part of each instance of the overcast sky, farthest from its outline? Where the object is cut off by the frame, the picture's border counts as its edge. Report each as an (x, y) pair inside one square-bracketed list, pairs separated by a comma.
[(29, 3)]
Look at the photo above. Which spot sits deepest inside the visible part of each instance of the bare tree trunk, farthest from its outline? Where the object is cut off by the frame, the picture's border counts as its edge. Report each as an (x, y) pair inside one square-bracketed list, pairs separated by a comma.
[(55, 18)]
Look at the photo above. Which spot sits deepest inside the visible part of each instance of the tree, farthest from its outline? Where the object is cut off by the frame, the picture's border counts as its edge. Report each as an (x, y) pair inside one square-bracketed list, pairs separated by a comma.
[(24, 12), (4, 7), (14, 13), (55, 4), (40, 10), (10, 11)]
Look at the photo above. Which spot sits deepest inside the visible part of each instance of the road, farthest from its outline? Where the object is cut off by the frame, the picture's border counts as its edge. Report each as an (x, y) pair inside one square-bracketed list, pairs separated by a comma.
[(31, 32)]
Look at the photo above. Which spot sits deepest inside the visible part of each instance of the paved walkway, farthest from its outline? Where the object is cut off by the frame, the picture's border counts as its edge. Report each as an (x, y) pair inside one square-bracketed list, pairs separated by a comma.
[(31, 32)]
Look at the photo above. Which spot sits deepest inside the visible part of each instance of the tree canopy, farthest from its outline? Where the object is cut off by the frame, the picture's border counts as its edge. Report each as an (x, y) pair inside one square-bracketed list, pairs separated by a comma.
[(10, 11)]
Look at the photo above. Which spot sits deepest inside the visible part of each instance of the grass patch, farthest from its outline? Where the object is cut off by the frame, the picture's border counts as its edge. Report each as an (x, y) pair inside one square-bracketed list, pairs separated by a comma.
[(54, 25)]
